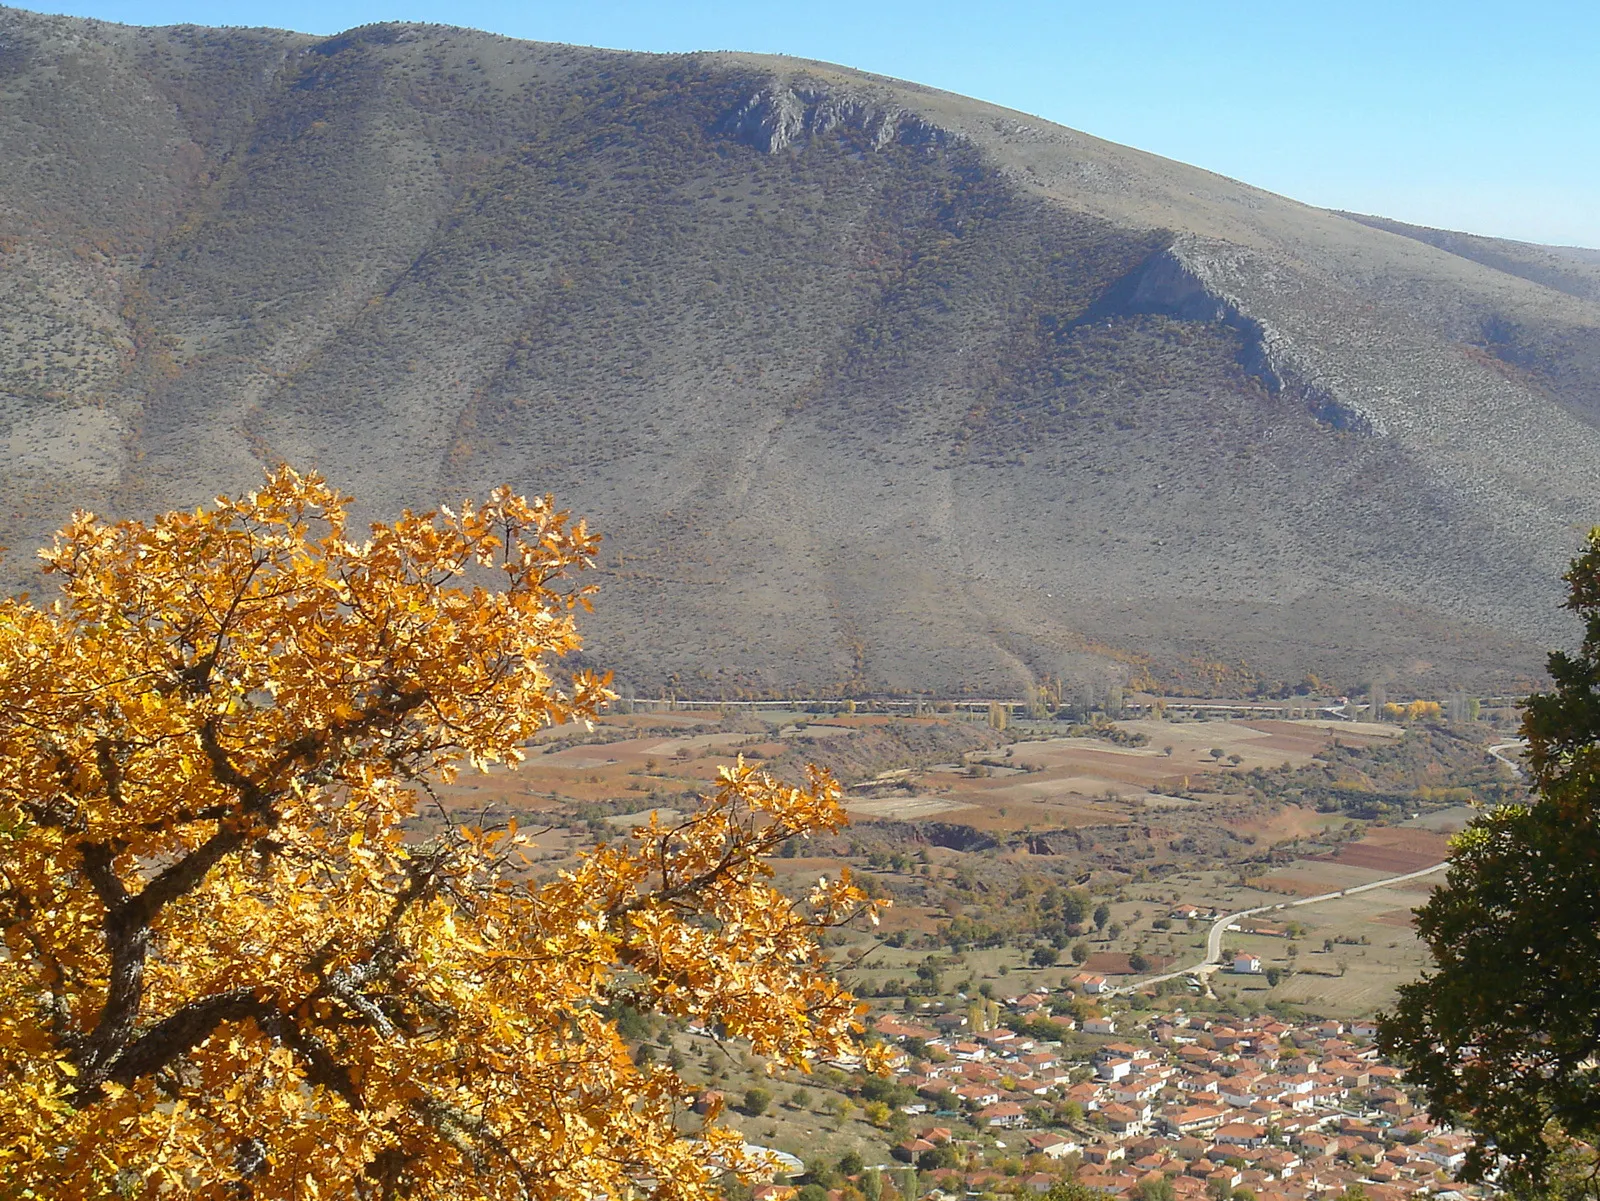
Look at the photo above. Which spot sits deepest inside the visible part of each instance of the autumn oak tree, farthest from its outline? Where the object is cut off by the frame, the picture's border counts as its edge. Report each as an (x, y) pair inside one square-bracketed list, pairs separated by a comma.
[(229, 973), (1503, 1037)]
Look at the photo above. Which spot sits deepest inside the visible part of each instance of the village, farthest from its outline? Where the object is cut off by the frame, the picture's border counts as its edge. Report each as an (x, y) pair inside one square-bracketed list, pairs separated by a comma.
[(1163, 1106)]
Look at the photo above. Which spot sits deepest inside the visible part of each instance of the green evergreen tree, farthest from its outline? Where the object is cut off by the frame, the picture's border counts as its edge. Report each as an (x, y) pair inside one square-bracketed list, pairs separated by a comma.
[(1503, 1036)]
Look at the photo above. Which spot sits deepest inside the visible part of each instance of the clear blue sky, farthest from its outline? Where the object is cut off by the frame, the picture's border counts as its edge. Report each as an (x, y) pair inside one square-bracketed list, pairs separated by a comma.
[(1466, 115)]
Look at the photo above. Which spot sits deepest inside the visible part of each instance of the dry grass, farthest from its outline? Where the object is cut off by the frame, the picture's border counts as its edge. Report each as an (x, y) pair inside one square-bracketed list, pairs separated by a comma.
[(1286, 824), (907, 808)]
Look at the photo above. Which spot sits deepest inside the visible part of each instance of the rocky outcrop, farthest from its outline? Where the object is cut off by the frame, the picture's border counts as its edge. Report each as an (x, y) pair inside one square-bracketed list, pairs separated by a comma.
[(780, 116), (1175, 282), (1078, 840), (951, 835)]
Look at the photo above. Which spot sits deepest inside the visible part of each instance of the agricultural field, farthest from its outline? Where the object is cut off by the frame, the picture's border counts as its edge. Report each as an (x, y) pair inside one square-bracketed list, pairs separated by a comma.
[(1034, 782), (1348, 960), (1022, 859), (1343, 956), (973, 832), (1176, 752), (1066, 782)]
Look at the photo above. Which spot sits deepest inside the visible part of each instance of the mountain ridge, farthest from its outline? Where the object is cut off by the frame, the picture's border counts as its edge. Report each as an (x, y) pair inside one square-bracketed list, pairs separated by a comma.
[(875, 388)]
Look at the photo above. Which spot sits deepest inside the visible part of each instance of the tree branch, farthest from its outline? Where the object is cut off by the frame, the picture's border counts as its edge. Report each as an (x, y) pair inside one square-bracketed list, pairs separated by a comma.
[(129, 917), (189, 1026), (321, 1067), (176, 1035), (128, 943)]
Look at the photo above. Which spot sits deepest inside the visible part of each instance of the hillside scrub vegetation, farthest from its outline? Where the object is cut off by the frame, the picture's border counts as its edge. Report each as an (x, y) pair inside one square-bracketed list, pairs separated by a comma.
[(227, 973), (881, 390)]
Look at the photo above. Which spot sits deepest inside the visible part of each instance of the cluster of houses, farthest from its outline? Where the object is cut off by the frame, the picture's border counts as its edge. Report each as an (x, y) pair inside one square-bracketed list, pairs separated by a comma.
[(1289, 1112)]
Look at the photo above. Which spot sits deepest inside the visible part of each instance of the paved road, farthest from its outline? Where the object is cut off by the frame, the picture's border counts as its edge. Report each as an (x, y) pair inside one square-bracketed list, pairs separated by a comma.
[(1520, 744), (1213, 959)]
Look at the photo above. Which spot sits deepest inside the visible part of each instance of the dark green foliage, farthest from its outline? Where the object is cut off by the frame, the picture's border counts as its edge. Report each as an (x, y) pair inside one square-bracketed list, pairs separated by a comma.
[(1040, 1028), (632, 1024), (1502, 1037), (1071, 1190), (881, 1088), (756, 1101), (938, 1159), (1074, 905)]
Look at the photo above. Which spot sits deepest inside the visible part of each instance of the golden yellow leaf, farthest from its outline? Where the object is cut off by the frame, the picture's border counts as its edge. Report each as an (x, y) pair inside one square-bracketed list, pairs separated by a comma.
[(216, 733)]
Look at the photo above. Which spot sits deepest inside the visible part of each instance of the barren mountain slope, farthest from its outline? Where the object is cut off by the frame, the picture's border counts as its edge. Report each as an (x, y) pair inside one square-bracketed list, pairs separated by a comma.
[(1563, 268), (870, 386)]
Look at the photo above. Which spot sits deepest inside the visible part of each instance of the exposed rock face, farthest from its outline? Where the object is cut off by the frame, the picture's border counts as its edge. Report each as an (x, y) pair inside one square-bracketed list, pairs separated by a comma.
[(1171, 282), (770, 120), (952, 835), (870, 387), (778, 116)]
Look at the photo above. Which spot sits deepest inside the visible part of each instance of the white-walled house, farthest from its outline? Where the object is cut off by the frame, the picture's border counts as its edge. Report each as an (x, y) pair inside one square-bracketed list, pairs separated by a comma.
[(1114, 1069)]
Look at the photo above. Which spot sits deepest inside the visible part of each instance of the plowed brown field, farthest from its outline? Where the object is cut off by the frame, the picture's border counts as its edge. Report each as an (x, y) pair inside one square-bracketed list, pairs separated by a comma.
[(1393, 850)]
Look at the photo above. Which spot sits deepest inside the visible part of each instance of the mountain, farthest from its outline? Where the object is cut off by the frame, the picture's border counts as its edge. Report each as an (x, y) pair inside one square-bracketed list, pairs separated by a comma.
[(870, 387)]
